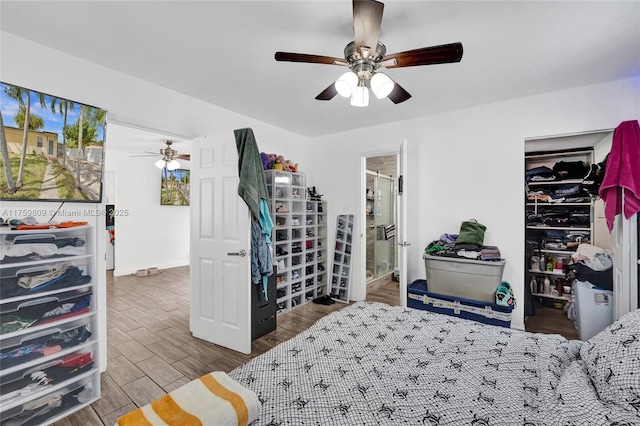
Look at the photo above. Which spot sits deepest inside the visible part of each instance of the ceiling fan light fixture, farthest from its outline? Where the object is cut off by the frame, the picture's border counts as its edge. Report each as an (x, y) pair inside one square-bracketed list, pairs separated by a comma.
[(360, 97), (346, 84), (381, 85), (160, 163), (173, 164)]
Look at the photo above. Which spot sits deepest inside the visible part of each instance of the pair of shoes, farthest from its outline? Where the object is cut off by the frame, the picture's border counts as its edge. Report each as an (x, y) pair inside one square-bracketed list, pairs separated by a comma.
[(313, 194), (504, 295), (295, 221), (281, 264), (281, 252), (324, 300), (282, 209)]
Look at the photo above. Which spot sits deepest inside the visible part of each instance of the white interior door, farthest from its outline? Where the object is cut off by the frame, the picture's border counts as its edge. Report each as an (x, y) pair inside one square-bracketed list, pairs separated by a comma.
[(625, 265), (402, 222), (220, 243)]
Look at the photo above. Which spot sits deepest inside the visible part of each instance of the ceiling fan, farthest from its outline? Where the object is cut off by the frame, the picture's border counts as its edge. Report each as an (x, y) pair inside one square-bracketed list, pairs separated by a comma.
[(169, 156), (366, 54)]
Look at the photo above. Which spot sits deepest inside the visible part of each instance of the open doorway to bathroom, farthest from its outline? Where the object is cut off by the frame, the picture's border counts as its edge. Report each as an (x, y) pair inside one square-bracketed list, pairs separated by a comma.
[(381, 214)]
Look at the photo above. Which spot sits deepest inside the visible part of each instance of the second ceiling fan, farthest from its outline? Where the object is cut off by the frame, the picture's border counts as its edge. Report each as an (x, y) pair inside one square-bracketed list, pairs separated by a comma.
[(366, 54)]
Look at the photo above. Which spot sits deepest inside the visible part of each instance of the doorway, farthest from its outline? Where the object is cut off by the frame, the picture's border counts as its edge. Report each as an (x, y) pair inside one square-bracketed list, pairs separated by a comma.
[(380, 217)]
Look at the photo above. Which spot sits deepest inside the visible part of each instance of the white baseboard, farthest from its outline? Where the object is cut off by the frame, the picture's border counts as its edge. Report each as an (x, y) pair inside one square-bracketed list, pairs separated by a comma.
[(128, 271)]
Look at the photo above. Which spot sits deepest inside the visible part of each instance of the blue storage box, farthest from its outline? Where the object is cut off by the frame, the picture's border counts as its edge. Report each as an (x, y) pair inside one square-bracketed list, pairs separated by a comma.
[(419, 297)]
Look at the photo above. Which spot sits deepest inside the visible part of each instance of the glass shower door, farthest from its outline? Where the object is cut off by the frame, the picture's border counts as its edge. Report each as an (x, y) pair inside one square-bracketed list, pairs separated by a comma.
[(384, 222)]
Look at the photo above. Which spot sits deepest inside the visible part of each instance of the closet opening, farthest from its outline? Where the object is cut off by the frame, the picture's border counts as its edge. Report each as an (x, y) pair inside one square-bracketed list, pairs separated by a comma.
[(561, 213)]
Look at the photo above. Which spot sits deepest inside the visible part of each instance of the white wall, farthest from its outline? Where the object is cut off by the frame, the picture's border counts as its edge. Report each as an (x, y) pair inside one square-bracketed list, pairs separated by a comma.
[(469, 164)]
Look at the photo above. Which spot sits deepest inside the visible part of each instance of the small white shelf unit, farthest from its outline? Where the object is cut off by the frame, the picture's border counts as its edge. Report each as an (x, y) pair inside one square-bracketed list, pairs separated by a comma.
[(341, 268)]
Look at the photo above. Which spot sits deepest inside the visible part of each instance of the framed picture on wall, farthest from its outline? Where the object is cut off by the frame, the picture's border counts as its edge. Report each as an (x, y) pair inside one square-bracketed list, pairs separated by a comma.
[(54, 147), (174, 189)]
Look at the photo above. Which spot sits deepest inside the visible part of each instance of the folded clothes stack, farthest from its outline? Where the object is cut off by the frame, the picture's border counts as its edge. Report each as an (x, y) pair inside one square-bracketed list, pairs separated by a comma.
[(447, 246), (490, 253)]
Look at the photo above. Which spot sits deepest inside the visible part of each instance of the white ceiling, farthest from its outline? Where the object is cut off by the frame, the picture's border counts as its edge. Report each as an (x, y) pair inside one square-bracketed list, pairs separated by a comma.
[(222, 52)]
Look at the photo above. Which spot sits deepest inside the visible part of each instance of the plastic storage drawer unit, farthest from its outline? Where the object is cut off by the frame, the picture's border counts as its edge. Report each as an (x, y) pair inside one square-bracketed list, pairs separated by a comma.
[(487, 313), (467, 278)]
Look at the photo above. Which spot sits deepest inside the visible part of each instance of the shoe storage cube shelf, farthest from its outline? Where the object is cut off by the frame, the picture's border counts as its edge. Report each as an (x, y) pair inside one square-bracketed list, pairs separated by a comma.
[(41, 315), (467, 278), (299, 240), (341, 268)]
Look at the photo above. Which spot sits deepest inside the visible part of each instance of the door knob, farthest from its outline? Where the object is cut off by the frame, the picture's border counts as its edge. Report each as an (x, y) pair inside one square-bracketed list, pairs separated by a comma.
[(241, 253)]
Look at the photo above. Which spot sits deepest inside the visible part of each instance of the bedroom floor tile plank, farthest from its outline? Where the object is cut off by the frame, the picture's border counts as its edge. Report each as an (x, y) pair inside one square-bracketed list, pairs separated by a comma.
[(112, 397), (175, 336), (123, 371), (143, 391), (135, 351), (112, 351), (191, 367), (144, 335), (159, 370), (85, 417), (175, 385), (202, 352), (225, 364), (116, 336), (122, 321), (167, 351), (109, 419)]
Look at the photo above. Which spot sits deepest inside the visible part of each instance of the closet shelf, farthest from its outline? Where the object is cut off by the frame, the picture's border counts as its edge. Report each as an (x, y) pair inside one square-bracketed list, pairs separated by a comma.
[(547, 204), (555, 272), (561, 228), (555, 182)]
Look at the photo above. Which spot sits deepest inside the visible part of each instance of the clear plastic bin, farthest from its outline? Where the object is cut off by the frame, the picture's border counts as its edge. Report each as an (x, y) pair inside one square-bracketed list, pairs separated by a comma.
[(594, 309), (468, 278)]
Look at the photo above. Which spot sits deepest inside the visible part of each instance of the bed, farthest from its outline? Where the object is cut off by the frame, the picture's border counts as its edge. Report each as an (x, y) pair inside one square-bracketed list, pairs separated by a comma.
[(375, 364)]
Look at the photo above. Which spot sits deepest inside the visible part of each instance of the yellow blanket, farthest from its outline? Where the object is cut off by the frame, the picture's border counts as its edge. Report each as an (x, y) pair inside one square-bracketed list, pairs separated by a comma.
[(213, 399)]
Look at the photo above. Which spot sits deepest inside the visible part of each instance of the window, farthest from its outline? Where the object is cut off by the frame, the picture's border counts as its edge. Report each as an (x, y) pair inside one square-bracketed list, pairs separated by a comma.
[(39, 141)]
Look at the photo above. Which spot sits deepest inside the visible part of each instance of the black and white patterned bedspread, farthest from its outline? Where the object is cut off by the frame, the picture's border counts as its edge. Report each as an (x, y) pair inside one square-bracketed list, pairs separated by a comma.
[(374, 364)]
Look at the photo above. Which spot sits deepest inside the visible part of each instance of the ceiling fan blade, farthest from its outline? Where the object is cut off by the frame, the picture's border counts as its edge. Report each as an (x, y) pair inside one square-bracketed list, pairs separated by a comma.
[(442, 54), (312, 59), (398, 94), (186, 157), (328, 93), (367, 18), (145, 155)]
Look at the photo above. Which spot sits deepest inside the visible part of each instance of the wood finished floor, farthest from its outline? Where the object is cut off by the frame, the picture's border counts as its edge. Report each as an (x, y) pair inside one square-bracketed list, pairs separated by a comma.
[(151, 352)]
